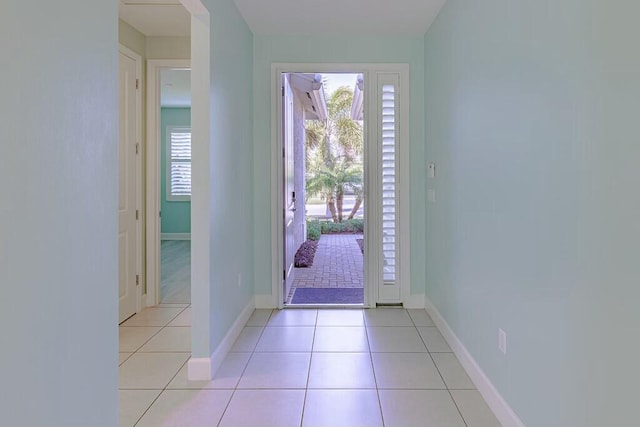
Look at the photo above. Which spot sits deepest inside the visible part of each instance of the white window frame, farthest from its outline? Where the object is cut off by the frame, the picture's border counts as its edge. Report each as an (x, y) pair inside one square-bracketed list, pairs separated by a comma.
[(170, 197)]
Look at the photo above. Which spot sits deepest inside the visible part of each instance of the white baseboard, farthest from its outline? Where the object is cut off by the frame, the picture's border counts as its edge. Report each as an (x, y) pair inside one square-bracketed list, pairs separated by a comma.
[(199, 369), (414, 301), (175, 236), (265, 301), (494, 399), (202, 369)]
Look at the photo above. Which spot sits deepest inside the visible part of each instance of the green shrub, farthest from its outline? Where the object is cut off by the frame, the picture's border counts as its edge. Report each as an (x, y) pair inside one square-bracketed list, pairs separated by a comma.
[(346, 226), (313, 230)]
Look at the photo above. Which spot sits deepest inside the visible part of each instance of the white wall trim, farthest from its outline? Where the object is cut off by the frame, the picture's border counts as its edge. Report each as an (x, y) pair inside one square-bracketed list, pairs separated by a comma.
[(152, 149), (175, 236), (199, 369), (202, 369), (369, 70), (494, 399), (414, 301), (265, 301)]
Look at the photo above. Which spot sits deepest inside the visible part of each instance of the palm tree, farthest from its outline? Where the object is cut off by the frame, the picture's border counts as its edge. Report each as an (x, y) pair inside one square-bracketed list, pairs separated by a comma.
[(334, 146), (330, 181)]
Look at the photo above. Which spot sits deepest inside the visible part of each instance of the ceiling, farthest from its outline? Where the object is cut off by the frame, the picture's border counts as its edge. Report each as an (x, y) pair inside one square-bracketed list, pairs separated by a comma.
[(294, 17), (155, 18), (340, 17)]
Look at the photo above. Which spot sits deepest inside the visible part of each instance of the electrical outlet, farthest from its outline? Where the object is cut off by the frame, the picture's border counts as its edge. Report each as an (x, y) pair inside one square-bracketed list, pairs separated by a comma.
[(502, 341)]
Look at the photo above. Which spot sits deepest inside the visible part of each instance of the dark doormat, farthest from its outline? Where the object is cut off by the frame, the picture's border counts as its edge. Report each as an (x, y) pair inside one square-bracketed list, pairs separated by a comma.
[(328, 296)]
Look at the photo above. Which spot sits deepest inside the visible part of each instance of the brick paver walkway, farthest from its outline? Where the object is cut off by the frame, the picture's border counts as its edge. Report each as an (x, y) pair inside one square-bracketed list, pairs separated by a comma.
[(338, 263)]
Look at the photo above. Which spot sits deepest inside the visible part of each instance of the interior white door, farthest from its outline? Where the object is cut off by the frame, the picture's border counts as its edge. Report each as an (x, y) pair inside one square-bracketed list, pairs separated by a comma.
[(289, 198), (127, 242)]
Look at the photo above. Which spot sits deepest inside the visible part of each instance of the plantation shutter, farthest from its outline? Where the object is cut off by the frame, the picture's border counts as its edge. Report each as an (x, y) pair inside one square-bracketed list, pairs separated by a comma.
[(179, 164), (389, 108)]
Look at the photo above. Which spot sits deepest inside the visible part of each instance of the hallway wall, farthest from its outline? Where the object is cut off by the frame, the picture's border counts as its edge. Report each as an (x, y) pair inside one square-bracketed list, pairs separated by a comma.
[(58, 216), (218, 303), (531, 119)]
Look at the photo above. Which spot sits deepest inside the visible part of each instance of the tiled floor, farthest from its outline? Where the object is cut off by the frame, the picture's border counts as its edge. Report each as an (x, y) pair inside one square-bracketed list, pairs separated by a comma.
[(175, 271), (379, 367)]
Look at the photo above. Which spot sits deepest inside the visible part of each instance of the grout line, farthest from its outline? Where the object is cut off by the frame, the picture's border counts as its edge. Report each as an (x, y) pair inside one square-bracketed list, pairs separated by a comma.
[(445, 383), (373, 369)]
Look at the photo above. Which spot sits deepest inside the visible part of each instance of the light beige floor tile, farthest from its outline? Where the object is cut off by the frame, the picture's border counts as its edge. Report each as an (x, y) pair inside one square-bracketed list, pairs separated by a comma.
[(183, 319), (452, 372), (340, 318), (247, 339), (474, 409), (403, 408), (420, 317), (150, 370), (173, 305), (387, 317), (226, 377), (133, 403), (169, 339), (264, 408), (341, 370), (132, 338), (154, 316), (406, 371), (395, 339), (122, 357), (434, 340), (297, 317), (342, 408), (259, 317), (349, 339), (276, 370), (187, 408), (288, 339)]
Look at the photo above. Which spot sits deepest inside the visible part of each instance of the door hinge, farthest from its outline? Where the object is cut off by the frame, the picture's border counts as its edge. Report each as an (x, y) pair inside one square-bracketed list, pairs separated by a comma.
[(283, 152), (137, 214), (284, 274), (137, 83), (137, 148), (160, 214), (282, 90), (137, 280)]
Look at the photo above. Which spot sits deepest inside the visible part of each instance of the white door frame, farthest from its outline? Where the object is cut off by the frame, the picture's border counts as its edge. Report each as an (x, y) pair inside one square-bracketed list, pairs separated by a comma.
[(139, 179), (153, 150), (372, 276)]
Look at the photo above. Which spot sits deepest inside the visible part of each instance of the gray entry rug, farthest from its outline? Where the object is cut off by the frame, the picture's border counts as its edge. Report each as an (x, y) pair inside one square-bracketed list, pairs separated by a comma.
[(328, 296)]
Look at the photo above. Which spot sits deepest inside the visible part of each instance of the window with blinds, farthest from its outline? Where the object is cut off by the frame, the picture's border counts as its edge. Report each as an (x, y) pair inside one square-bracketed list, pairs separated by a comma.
[(178, 163), (389, 136)]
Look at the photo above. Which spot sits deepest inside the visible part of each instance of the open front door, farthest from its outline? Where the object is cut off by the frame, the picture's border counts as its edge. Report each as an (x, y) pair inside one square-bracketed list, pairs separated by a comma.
[(289, 198)]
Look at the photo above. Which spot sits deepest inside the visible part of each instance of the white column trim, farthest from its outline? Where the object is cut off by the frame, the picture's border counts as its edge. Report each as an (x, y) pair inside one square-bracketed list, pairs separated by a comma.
[(203, 368)]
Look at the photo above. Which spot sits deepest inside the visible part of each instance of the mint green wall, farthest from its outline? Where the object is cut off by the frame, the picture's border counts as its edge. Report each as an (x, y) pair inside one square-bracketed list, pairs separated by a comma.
[(272, 49), (219, 303), (176, 216), (532, 120), (58, 215)]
